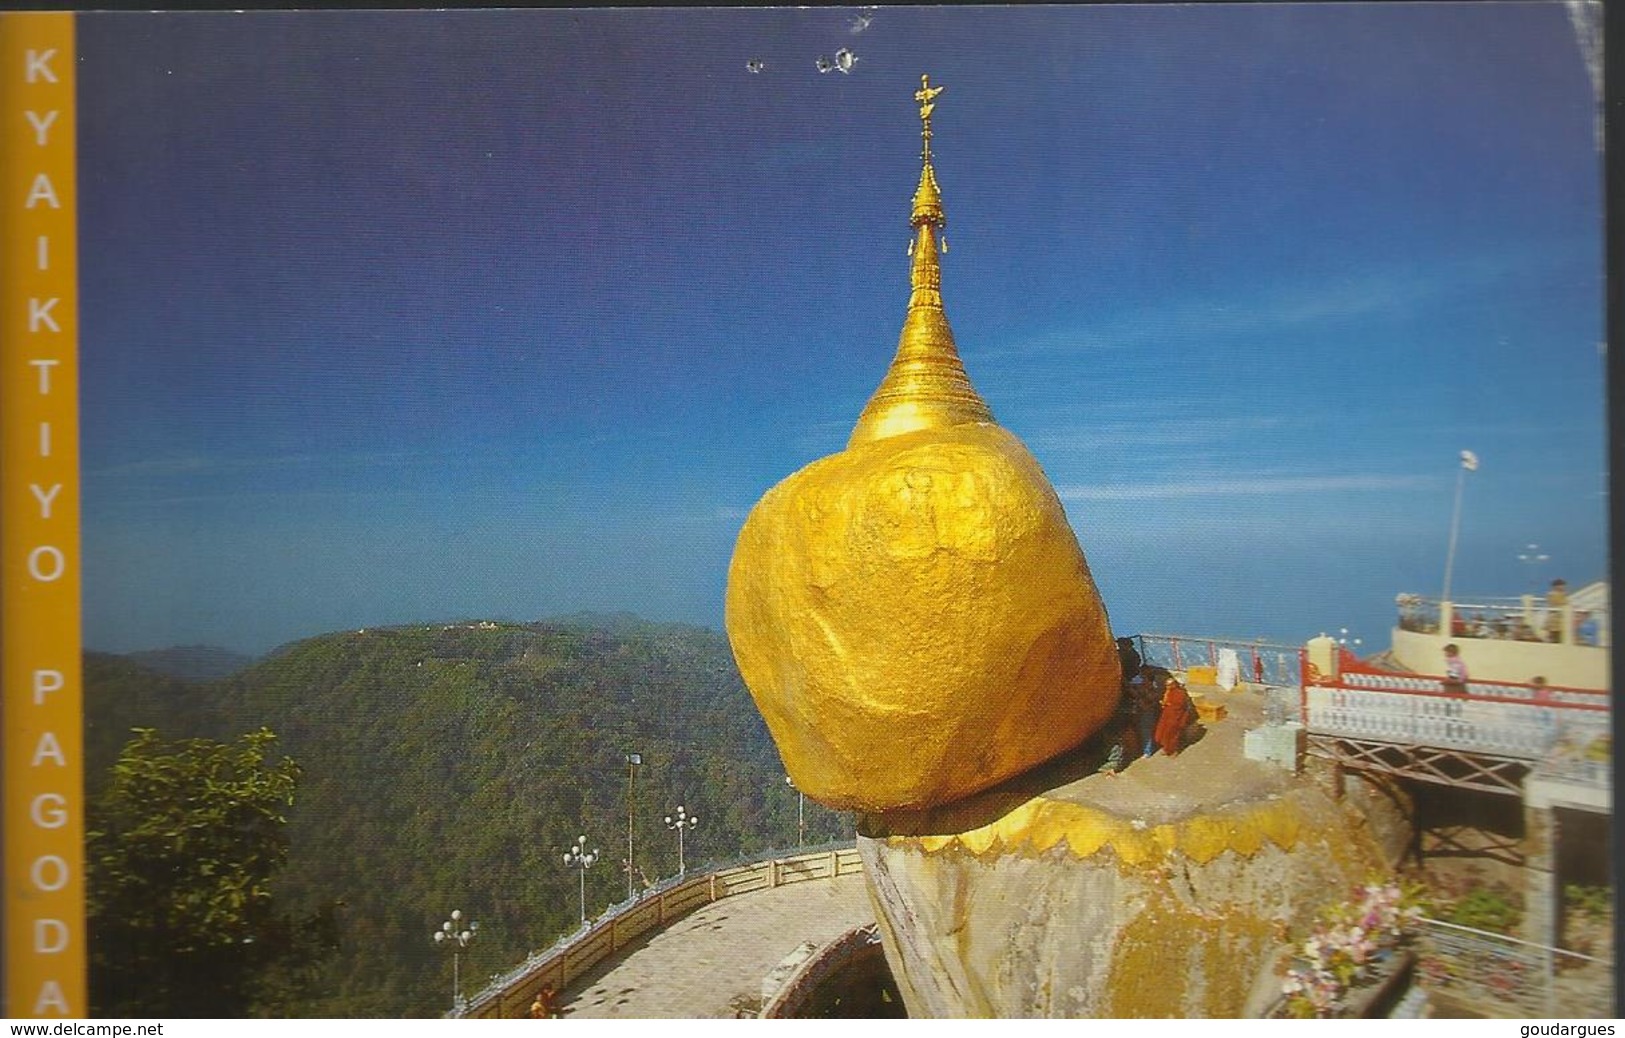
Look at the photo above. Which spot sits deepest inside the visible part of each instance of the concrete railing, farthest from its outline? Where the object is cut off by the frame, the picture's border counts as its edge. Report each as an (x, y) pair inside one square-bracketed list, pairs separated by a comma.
[(510, 994), (1474, 725), (1504, 719), (1582, 620), (1488, 691), (796, 992)]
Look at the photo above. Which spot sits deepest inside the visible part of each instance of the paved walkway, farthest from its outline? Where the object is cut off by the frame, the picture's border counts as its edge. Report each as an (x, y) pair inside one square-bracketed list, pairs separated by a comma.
[(711, 962)]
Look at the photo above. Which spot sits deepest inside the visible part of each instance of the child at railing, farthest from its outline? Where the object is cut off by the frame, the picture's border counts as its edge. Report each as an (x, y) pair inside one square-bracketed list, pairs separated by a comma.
[(1455, 671)]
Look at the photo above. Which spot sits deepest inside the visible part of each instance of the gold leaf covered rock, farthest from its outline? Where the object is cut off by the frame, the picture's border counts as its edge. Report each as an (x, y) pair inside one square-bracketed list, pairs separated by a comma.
[(913, 615)]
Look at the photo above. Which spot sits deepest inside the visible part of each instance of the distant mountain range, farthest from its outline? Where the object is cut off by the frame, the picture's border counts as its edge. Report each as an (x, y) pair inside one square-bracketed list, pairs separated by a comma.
[(451, 765), (192, 662)]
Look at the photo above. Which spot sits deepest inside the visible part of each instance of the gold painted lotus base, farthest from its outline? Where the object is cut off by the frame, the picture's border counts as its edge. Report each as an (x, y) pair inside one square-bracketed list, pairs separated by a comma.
[(1164, 891), (916, 622)]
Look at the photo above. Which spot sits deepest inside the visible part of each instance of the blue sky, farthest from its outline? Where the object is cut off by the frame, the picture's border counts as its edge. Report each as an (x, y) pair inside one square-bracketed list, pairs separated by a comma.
[(391, 317)]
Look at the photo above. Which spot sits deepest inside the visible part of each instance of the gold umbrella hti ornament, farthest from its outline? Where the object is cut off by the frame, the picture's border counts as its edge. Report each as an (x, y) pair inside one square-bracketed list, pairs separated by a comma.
[(913, 615)]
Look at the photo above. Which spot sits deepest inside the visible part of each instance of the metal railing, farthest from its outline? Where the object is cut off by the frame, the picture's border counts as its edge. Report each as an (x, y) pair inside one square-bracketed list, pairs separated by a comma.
[(1262, 663), (574, 954), (1499, 975), (1276, 667), (1513, 977)]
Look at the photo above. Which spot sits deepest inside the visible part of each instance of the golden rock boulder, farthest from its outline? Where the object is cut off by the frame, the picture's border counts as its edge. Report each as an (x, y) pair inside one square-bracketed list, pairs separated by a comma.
[(913, 616), (916, 622)]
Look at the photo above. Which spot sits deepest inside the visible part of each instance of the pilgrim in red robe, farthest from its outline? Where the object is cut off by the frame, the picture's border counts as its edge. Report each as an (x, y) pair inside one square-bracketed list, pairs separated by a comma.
[(1177, 713)]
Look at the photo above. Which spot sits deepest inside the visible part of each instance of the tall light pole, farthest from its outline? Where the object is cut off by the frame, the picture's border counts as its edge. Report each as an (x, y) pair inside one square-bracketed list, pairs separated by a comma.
[(801, 812), (1469, 463), (578, 857), (633, 760), (454, 935), (681, 821)]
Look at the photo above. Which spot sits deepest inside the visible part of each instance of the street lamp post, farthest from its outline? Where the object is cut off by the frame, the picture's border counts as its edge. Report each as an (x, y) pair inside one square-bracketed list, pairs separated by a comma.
[(1469, 463), (578, 857), (454, 935), (633, 760), (681, 821), (801, 812)]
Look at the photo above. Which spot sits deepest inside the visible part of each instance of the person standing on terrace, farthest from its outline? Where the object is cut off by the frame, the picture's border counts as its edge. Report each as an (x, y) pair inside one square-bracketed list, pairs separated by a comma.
[(1556, 599), (1455, 671), (1177, 714)]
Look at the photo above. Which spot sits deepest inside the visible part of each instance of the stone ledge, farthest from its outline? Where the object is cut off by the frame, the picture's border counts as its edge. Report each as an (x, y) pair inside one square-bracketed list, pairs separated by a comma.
[(786, 989)]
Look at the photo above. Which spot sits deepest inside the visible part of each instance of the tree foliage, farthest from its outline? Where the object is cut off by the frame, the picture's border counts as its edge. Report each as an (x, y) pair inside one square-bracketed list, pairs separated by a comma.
[(182, 846), (450, 765)]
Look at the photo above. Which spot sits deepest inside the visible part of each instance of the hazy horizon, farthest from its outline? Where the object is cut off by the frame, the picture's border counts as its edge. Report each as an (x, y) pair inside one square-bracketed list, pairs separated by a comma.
[(401, 315), (576, 618)]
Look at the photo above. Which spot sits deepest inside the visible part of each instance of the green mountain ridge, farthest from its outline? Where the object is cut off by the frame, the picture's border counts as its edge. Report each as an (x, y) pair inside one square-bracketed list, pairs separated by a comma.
[(451, 765), (192, 662)]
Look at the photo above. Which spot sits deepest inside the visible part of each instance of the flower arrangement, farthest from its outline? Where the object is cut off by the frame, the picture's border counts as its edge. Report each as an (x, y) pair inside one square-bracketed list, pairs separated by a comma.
[(1351, 938)]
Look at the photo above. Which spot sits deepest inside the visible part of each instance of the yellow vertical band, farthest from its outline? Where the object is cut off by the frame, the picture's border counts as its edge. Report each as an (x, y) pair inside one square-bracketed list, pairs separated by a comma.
[(39, 521)]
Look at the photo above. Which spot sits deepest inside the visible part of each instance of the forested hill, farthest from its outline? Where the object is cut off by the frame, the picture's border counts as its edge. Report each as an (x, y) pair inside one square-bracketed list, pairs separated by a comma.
[(192, 662), (451, 766)]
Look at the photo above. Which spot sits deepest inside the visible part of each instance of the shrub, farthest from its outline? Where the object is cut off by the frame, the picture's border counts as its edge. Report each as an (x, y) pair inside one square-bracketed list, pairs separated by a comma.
[(1590, 902), (1486, 909)]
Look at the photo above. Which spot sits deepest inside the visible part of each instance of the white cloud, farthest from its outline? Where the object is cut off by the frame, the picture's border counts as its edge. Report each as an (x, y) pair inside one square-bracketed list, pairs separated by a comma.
[(1359, 293), (171, 466), (193, 464), (1153, 432)]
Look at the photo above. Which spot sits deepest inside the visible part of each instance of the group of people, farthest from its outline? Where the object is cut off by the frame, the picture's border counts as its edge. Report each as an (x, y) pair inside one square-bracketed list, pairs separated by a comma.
[(1464, 624), (1455, 677), (1476, 625), (1155, 711)]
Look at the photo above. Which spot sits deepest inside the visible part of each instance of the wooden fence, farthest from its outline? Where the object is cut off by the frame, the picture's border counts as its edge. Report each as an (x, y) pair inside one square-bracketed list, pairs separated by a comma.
[(510, 994)]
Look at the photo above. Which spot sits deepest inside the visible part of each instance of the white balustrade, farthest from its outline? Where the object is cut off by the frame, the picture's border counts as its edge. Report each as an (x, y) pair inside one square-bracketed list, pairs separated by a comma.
[(1518, 730)]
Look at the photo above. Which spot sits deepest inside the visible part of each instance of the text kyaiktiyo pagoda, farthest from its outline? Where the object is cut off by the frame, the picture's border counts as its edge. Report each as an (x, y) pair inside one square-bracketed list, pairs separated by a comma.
[(913, 615)]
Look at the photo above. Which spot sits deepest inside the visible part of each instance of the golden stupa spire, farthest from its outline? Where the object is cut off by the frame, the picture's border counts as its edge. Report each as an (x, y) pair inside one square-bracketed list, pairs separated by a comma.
[(926, 386), (913, 615)]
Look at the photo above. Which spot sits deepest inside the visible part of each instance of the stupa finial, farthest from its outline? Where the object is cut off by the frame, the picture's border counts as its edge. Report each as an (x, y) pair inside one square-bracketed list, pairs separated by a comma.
[(927, 199), (927, 96), (926, 386)]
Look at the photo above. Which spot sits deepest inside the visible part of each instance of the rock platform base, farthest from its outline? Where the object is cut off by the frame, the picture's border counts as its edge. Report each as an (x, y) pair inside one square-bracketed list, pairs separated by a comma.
[(1166, 890)]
